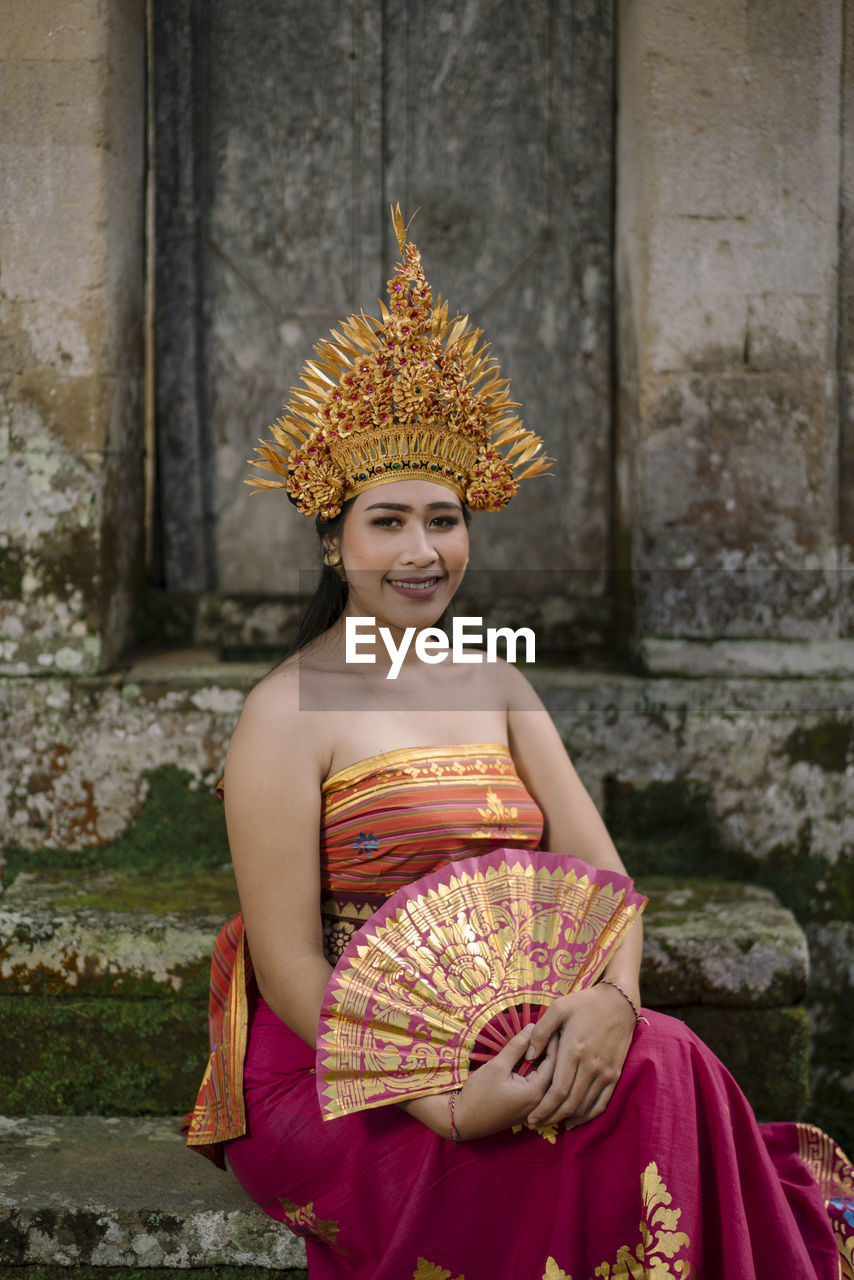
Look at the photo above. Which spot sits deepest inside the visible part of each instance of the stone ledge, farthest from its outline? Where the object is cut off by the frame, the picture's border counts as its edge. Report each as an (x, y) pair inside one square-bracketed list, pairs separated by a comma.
[(832, 658), (722, 943), (122, 1192), (707, 942), (76, 751), (50, 946)]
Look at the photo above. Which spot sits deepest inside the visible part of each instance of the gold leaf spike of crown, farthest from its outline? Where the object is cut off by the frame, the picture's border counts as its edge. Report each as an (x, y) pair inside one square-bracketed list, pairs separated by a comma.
[(413, 395)]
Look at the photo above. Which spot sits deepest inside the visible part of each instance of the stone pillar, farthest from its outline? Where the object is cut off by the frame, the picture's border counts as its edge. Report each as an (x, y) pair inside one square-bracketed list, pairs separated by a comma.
[(846, 300), (727, 254), (72, 139)]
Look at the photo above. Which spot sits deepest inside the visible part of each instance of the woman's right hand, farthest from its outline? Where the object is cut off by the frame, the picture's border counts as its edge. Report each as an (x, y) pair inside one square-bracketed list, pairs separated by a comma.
[(495, 1097)]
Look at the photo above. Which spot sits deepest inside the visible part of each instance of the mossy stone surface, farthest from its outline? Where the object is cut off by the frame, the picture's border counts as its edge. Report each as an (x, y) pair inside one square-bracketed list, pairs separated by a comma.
[(112, 933), (103, 1057), (130, 935), (766, 1050), (90, 1056), (721, 943), (149, 1273), (669, 828), (829, 744), (119, 1191), (135, 918), (665, 828), (832, 1102), (180, 826)]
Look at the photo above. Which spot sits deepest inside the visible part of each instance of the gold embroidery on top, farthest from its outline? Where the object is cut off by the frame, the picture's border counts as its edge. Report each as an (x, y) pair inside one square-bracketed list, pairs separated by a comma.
[(438, 770), (303, 1219), (400, 761), (430, 1271), (654, 1257), (498, 815)]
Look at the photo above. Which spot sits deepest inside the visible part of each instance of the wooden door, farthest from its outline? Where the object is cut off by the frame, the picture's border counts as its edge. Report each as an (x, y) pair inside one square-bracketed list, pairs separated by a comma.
[(283, 132)]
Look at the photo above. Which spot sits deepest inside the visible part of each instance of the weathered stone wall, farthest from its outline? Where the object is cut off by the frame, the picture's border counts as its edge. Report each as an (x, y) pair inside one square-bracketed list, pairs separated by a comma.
[(71, 221), (775, 759), (731, 196), (734, 465), (846, 290), (727, 242), (751, 780)]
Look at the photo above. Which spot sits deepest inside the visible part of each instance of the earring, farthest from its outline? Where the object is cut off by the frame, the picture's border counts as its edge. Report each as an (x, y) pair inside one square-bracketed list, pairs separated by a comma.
[(333, 558)]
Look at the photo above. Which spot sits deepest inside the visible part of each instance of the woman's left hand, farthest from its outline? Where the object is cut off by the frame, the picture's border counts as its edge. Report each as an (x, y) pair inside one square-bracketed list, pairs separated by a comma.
[(594, 1029)]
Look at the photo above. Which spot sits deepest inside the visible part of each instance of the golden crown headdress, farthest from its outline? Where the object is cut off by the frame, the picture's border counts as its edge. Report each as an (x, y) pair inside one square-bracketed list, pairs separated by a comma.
[(412, 395)]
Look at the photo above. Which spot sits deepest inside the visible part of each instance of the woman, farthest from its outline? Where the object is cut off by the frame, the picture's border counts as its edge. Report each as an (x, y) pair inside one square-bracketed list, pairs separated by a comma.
[(627, 1150)]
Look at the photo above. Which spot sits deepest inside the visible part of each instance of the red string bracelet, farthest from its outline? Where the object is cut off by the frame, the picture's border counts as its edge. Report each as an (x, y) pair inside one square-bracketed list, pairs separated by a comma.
[(606, 982), (455, 1137)]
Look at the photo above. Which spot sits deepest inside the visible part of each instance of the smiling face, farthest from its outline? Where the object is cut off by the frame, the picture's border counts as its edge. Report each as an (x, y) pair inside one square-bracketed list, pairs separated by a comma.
[(405, 547)]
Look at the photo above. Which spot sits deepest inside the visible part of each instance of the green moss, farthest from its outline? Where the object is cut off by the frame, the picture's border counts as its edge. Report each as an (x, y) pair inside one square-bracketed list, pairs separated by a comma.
[(810, 885), (767, 1050), (827, 744), (667, 828), (12, 568), (832, 1106), (100, 1056), (194, 891), (695, 893), (832, 1110), (69, 560), (180, 826)]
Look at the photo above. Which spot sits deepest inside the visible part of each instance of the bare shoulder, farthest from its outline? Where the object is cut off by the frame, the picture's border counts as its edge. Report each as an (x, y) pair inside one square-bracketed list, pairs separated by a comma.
[(273, 728), (515, 687)]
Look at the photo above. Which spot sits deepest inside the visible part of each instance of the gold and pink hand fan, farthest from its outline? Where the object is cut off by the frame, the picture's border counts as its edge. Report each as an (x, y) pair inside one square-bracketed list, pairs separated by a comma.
[(453, 965)]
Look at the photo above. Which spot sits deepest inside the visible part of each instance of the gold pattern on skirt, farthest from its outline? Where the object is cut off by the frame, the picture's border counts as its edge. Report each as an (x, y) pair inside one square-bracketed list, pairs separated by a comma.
[(302, 1219), (831, 1169), (430, 1271), (548, 1131), (654, 1257)]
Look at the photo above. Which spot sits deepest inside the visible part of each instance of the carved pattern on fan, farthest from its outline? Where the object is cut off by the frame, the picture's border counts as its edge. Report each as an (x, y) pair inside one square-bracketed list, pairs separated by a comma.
[(451, 953)]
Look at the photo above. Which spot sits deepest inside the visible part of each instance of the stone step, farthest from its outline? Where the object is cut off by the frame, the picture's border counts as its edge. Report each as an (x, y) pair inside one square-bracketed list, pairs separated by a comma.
[(113, 934), (120, 1192), (103, 987)]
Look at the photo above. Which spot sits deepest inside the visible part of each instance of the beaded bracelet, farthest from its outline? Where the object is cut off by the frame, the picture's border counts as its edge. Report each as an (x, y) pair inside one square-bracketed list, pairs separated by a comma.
[(455, 1137), (606, 982)]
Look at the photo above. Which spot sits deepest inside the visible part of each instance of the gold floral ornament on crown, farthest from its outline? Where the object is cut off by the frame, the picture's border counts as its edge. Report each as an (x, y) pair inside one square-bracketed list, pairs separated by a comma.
[(413, 395)]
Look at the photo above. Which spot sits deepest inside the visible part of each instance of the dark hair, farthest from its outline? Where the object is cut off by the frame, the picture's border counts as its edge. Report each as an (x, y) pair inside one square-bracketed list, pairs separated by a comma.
[(330, 597)]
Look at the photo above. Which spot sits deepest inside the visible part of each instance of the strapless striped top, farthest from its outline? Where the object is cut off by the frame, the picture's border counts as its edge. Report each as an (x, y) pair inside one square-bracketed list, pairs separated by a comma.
[(392, 818)]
